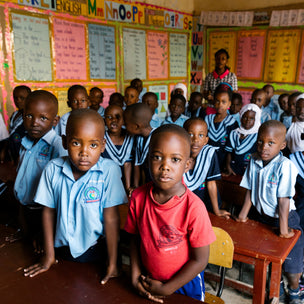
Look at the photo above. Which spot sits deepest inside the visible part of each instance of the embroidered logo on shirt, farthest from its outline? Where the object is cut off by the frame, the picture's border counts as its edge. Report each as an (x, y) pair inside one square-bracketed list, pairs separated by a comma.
[(16, 138), (92, 195), (45, 151), (202, 186), (168, 236), (223, 139), (247, 157), (272, 179)]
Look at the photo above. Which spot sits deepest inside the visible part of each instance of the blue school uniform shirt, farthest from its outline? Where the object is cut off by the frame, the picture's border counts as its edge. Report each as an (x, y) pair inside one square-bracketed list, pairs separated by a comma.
[(287, 120), (206, 169), (61, 126), (119, 153), (189, 114), (33, 159), (264, 115), (241, 150), (267, 184), (180, 121), (142, 149), (80, 204), (273, 110), (237, 117), (101, 111), (156, 121)]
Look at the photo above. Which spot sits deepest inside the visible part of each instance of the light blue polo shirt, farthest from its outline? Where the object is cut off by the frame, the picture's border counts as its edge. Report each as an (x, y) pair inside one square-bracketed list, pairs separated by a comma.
[(33, 159), (180, 121), (268, 183), (61, 126), (156, 121), (79, 204)]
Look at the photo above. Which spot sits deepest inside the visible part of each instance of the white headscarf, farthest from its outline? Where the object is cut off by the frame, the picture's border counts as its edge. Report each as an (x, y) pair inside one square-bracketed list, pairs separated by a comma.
[(250, 107), (293, 137), (182, 87)]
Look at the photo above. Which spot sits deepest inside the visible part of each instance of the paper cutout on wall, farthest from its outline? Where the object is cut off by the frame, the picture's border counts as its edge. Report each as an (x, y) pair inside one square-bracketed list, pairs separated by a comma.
[(162, 93), (157, 55), (250, 52), (102, 51), (178, 55), (70, 50), (32, 48), (222, 40), (246, 95), (282, 53), (107, 92), (134, 47)]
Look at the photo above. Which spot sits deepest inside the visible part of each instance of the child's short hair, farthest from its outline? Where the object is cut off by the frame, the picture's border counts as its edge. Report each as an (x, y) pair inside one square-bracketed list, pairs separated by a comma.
[(273, 124), (73, 89), (268, 86), (178, 96), (283, 96), (224, 87), (23, 87), (43, 95), (221, 51), (293, 95), (151, 94), (171, 128), (256, 91), (139, 113), (96, 89), (195, 94), (131, 87), (189, 121), (133, 82), (117, 96), (237, 96)]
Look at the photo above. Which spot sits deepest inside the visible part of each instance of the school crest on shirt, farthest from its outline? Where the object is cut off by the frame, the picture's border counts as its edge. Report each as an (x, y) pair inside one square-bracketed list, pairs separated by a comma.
[(202, 186), (92, 195), (44, 151), (272, 179), (247, 157), (168, 236), (224, 139)]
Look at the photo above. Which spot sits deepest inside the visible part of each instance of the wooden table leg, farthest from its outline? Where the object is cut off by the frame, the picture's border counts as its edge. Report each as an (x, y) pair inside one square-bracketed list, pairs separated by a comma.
[(276, 271), (259, 284)]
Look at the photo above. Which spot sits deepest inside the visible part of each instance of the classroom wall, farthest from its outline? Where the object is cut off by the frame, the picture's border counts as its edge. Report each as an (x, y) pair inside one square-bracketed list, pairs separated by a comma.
[(179, 5)]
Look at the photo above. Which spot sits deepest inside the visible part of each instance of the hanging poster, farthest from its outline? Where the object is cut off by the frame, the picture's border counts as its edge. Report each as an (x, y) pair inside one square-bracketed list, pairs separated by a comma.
[(32, 48), (102, 52), (162, 93)]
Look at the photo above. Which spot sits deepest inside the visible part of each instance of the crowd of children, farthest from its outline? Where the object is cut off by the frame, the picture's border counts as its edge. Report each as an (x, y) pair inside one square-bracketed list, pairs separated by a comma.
[(74, 171)]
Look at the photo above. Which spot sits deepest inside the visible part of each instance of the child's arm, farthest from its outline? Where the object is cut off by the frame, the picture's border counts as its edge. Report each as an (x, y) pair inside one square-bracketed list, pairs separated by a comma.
[(48, 221), (246, 208), (228, 167), (212, 190), (136, 270), (127, 174), (285, 231), (111, 226), (196, 264), (136, 176)]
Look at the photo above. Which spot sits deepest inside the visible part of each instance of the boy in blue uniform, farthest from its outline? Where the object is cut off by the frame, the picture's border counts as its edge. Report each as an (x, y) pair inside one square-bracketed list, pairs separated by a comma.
[(80, 193), (137, 119), (150, 99), (96, 99), (37, 148), (270, 182)]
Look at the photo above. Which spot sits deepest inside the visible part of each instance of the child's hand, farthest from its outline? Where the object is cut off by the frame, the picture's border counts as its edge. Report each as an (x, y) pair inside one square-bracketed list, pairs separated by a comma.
[(223, 213), (155, 287), (130, 190), (229, 171), (288, 235), (112, 272), (38, 268), (241, 219)]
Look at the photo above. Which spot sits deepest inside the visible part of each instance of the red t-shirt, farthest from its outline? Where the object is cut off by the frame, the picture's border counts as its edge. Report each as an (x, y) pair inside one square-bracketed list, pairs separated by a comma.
[(167, 231)]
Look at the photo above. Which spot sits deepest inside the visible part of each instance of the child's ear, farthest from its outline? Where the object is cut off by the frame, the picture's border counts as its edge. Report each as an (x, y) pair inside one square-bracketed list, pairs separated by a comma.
[(188, 163), (103, 145), (207, 139), (64, 142), (56, 120), (283, 146)]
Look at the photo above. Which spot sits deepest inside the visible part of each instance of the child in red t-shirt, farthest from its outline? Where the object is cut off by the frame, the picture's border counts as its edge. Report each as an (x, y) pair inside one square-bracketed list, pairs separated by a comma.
[(170, 226)]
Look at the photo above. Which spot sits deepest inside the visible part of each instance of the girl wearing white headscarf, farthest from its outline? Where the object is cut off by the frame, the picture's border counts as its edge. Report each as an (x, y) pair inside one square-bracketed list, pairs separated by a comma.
[(242, 141), (181, 89), (295, 133)]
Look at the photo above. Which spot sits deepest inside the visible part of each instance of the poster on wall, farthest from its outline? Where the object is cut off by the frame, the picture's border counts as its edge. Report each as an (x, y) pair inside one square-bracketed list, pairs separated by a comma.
[(134, 49), (162, 93), (157, 55), (178, 55), (102, 52), (32, 48), (70, 50)]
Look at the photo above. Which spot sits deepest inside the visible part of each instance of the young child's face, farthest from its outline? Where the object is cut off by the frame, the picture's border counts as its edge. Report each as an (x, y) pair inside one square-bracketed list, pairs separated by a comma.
[(283, 102), (114, 119), (222, 103), (84, 143), (177, 108), (96, 98), (168, 160), (269, 92), (131, 96), (195, 103), (270, 142), (300, 110), (116, 100), (259, 98), (179, 91), (19, 96), (39, 117), (292, 105), (236, 106), (221, 61), (79, 100), (248, 120), (138, 85), (199, 137), (151, 102)]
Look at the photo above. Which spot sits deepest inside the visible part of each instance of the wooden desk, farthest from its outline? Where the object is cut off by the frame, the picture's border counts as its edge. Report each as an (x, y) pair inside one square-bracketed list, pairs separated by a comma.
[(259, 245), (65, 283)]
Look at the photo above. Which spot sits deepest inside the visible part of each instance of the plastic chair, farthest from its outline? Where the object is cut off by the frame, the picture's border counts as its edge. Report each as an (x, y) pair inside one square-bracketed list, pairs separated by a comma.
[(221, 254)]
